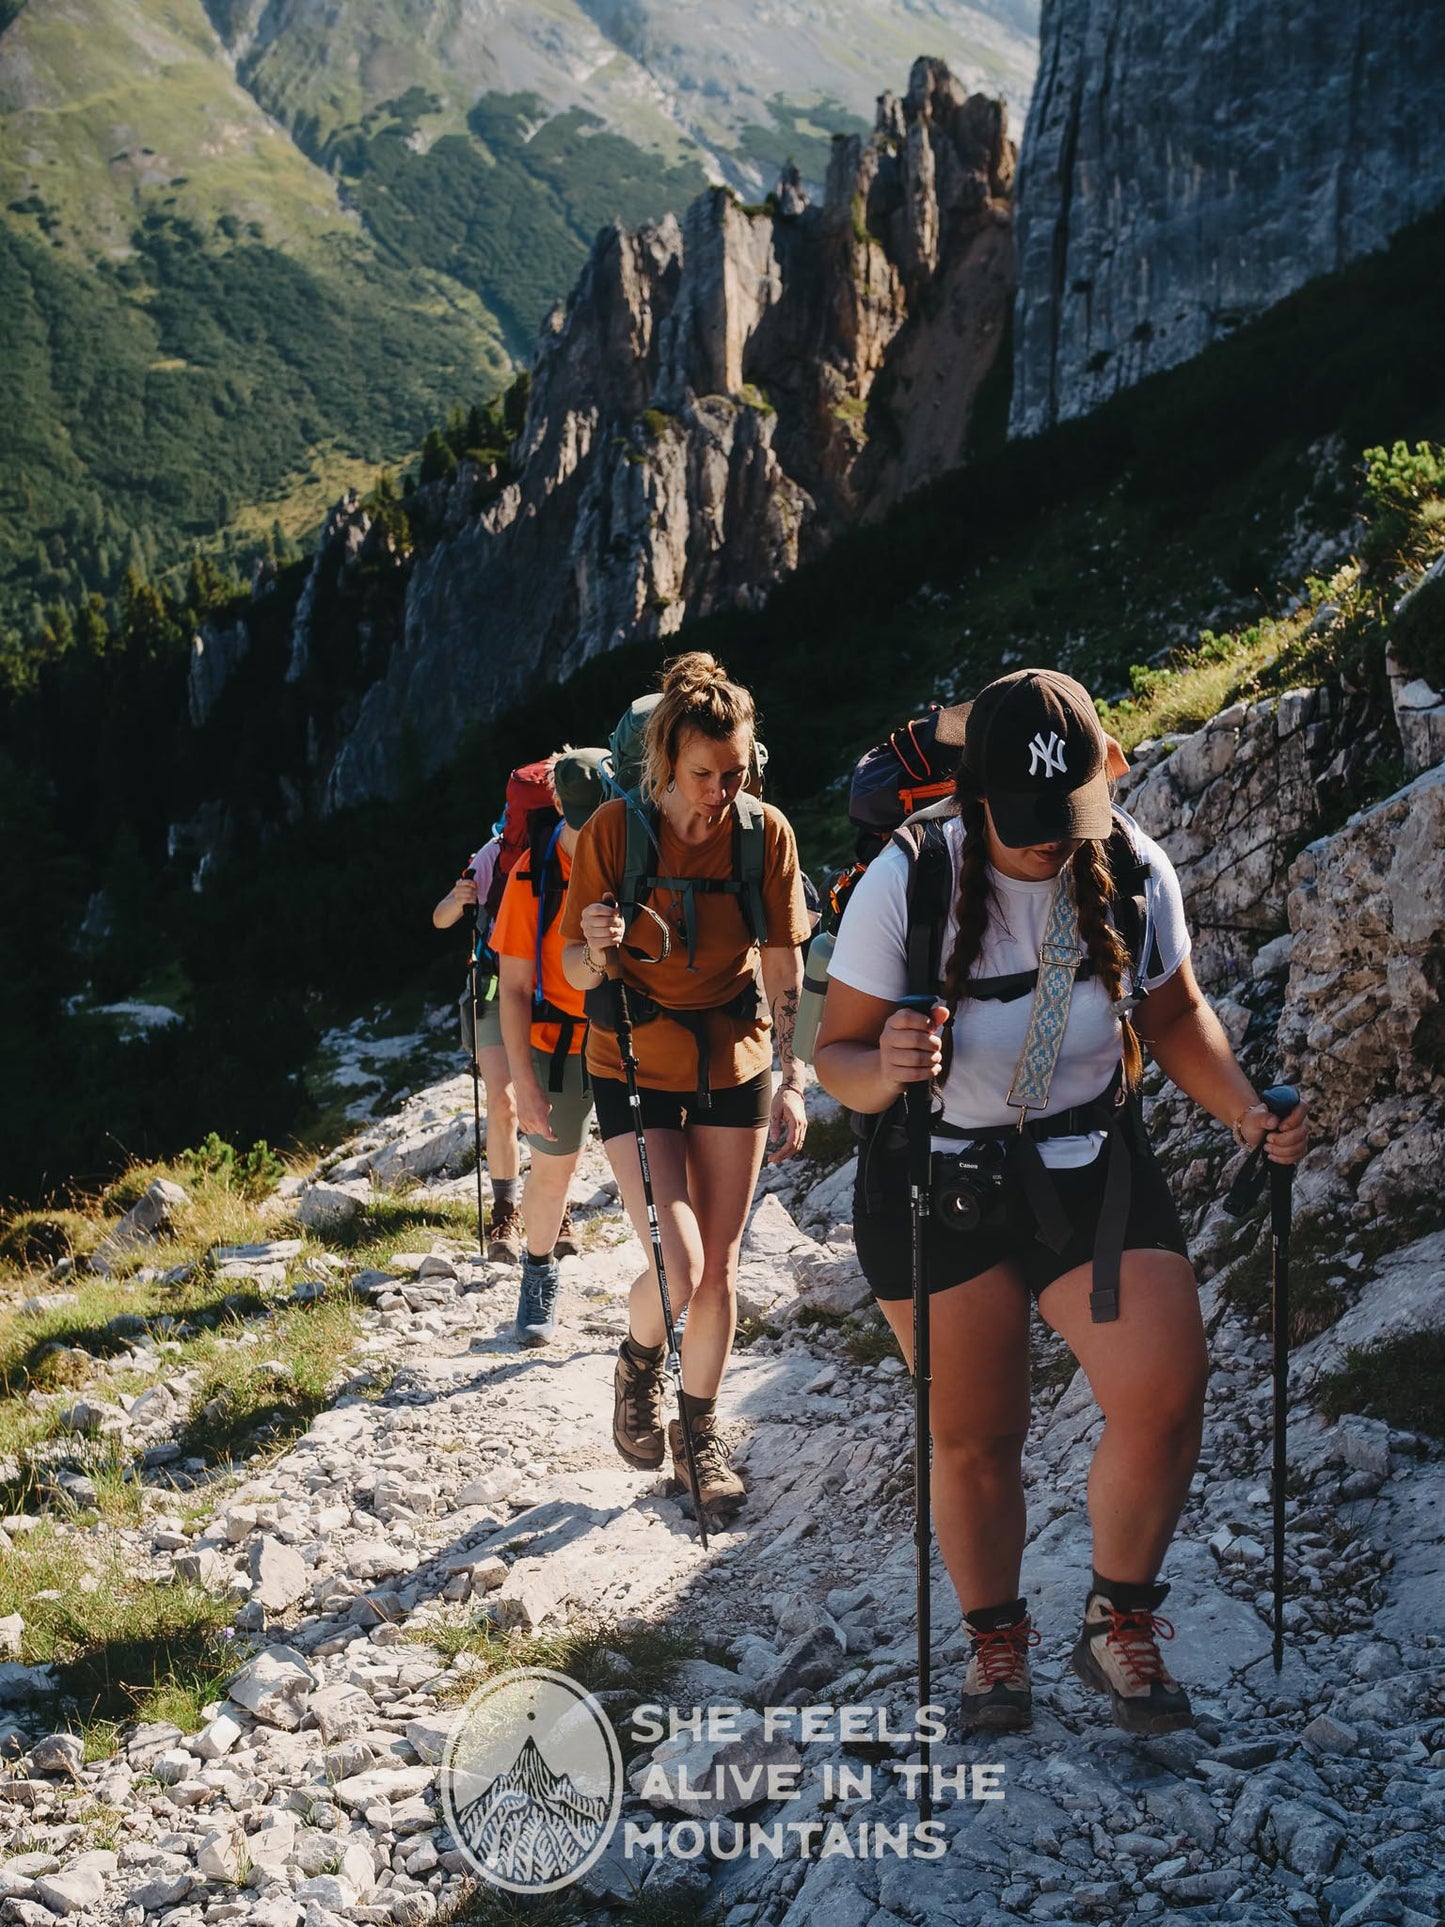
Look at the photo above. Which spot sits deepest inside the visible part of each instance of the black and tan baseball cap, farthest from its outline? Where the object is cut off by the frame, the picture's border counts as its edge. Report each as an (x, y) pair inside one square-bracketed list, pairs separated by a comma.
[(1036, 752)]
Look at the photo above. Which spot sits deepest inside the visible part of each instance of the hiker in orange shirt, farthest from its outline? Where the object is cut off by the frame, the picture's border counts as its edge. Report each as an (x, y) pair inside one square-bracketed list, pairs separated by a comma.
[(544, 1030)]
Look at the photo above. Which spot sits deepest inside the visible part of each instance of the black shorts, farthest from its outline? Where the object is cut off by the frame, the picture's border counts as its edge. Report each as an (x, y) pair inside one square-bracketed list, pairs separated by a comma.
[(954, 1256), (738, 1107)]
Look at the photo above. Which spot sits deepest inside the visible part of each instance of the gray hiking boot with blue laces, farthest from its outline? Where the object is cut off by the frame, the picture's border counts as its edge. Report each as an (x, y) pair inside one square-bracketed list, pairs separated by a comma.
[(537, 1302)]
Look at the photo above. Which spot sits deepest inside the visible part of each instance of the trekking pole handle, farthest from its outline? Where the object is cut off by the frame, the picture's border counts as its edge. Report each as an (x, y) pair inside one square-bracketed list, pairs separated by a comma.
[(1281, 1099)]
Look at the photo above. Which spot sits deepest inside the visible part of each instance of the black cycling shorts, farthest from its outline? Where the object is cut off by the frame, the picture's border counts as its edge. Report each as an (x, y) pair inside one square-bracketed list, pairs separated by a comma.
[(737, 1107), (952, 1257)]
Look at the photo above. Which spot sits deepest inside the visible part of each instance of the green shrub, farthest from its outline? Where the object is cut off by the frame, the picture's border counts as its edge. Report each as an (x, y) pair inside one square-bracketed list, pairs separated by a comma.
[(253, 1173)]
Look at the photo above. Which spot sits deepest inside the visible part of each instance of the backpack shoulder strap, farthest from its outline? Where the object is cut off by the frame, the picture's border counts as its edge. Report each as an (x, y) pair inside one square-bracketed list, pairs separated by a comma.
[(749, 848), (1131, 907), (924, 843), (639, 858)]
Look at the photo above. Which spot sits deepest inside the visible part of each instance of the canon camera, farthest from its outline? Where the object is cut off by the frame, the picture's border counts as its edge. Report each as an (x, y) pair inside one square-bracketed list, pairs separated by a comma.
[(968, 1186)]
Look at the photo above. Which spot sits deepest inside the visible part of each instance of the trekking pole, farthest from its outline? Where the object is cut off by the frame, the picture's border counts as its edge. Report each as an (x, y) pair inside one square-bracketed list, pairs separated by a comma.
[(477, 1106), (919, 1107), (1281, 1099), (672, 1364)]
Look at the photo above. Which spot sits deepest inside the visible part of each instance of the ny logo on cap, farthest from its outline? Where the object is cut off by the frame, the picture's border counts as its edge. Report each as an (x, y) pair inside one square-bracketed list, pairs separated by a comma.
[(1047, 758)]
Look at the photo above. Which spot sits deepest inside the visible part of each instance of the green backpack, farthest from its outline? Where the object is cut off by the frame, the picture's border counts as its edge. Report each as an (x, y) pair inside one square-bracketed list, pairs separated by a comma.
[(621, 773)]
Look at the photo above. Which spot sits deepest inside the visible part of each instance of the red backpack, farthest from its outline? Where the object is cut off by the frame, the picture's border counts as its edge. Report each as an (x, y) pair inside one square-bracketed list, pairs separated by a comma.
[(530, 809)]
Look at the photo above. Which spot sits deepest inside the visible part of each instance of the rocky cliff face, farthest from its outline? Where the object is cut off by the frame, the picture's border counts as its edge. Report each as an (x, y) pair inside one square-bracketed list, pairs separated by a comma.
[(1187, 165), (717, 400)]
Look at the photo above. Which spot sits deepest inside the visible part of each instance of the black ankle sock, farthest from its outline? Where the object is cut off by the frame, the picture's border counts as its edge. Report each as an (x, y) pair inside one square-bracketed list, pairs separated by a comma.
[(988, 1619), (533, 1259), (504, 1191), (643, 1354), (698, 1407), (1130, 1595)]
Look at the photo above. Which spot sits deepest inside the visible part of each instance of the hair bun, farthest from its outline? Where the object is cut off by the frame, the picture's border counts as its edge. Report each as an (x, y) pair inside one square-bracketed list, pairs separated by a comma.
[(690, 674)]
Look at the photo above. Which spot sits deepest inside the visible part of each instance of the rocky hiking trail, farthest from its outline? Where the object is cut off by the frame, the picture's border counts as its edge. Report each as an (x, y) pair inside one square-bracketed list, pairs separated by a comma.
[(467, 1510)]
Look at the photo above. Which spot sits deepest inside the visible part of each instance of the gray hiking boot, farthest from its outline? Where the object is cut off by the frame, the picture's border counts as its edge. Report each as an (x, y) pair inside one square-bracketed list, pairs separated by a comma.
[(997, 1696), (719, 1487), (504, 1235), (537, 1302), (1117, 1652), (637, 1430)]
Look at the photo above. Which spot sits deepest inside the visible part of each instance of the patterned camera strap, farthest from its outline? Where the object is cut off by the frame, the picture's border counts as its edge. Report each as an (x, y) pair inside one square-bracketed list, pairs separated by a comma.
[(1059, 960)]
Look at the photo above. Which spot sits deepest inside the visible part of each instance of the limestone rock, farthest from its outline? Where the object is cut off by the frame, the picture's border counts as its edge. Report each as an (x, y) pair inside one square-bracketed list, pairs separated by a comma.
[(275, 1686), (698, 421), (424, 1153), (1362, 1010), (80, 1889), (1230, 803), (278, 1574), (333, 1207), (60, 1753), (1234, 193)]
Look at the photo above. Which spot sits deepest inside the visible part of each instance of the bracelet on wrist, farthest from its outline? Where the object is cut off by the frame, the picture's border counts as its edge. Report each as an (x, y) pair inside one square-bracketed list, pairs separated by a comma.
[(597, 969), (1236, 1125)]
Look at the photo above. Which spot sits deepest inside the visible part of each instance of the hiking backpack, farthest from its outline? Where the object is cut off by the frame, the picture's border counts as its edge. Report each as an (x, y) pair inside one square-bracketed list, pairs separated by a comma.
[(621, 773), (893, 781), (529, 804)]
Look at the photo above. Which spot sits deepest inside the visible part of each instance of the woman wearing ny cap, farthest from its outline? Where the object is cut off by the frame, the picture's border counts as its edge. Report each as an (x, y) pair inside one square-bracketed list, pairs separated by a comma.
[(1042, 1172)]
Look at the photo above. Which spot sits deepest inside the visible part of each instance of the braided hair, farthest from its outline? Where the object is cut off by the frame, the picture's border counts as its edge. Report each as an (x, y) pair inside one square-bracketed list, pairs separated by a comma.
[(1108, 954)]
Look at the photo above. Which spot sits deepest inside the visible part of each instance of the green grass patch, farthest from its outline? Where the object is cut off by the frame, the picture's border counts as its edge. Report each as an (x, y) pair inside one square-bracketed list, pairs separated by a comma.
[(1401, 1381), (1315, 1301), (264, 1396), (868, 1338), (122, 1647), (750, 1330), (830, 1141), (639, 1659)]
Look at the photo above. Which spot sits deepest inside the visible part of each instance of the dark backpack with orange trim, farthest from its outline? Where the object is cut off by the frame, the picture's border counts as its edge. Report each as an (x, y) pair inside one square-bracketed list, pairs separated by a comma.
[(909, 772)]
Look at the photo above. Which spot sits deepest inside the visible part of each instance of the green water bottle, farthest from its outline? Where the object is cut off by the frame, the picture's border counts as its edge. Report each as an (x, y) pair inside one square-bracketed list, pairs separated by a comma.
[(815, 990)]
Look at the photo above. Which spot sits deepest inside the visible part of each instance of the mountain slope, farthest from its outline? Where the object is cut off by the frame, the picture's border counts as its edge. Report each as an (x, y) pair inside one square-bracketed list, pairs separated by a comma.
[(732, 78)]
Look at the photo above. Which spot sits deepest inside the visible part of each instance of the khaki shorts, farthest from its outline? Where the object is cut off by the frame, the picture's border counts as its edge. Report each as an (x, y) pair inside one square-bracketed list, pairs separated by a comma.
[(571, 1106), (489, 1021)]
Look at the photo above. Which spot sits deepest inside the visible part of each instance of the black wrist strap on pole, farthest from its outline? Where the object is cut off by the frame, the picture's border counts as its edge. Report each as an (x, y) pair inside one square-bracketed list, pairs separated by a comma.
[(920, 1171)]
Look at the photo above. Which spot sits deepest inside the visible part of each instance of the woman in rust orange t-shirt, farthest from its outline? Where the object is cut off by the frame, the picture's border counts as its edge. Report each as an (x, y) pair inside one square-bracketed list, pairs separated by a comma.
[(706, 1122)]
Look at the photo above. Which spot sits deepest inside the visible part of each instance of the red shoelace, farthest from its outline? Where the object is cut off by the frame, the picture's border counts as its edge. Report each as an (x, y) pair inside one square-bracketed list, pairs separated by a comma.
[(1003, 1651), (1134, 1637)]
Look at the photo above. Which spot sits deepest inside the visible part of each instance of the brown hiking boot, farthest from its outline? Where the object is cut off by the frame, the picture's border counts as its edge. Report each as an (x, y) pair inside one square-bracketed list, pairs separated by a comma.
[(504, 1235), (997, 1697), (1117, 1652), (566, 1245), (637, 1410), (721, 1490)]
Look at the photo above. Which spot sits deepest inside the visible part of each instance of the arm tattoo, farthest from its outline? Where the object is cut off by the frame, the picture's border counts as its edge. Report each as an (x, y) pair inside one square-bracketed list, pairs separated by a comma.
[(785, 1019)]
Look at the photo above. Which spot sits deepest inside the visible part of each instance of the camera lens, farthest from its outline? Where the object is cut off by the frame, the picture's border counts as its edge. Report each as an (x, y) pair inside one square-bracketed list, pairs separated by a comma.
[(959, 1209)]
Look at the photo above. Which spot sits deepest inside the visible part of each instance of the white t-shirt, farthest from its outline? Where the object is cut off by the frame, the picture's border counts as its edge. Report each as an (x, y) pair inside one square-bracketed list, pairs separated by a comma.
[(988, 1036)]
